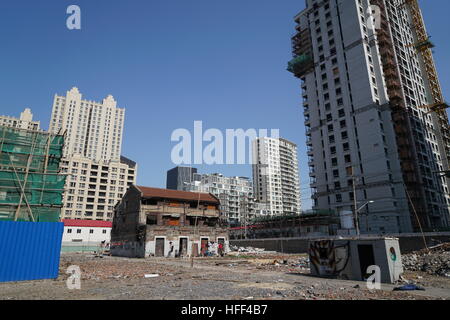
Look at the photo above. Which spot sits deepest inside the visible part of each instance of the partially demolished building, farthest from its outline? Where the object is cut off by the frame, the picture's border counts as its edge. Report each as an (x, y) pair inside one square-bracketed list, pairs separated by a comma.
[(160, 222)]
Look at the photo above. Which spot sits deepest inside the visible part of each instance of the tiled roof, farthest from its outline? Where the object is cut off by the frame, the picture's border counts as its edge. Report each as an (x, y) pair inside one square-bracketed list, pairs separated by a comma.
[(87, 223), (177, 195)]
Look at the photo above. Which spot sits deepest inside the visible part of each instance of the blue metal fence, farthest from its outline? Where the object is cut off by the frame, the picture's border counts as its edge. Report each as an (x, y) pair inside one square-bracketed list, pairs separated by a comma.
[(29, 250)]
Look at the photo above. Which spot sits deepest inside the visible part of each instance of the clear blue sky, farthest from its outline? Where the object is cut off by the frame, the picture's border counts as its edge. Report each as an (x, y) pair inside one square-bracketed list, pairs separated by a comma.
[(169, 63)]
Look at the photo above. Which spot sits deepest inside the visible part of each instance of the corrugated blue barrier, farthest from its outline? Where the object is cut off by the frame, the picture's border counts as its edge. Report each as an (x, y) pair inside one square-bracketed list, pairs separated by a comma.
[(29, 250)]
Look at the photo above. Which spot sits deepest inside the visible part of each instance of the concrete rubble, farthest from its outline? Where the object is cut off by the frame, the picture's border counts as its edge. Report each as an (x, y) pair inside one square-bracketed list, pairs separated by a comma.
[(247, 249), (436, 261), (261, 276)]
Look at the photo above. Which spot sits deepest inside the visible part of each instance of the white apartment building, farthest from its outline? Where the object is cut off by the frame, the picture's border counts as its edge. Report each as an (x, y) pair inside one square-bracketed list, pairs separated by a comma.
[(368, 138), (275, 176), (94, 188), (93, 129), (24, 122), (98, 175), (235, 194)]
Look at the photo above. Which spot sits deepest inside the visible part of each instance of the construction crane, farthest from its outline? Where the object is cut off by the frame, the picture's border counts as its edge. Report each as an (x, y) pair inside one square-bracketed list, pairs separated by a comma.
[(424, 46)]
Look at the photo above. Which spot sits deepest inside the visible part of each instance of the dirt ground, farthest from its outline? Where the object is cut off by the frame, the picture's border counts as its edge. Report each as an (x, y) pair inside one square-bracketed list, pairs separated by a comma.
[(244, 277)]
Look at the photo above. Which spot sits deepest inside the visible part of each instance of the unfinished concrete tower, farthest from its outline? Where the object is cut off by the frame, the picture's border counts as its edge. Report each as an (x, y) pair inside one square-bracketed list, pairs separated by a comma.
[(376, 125)]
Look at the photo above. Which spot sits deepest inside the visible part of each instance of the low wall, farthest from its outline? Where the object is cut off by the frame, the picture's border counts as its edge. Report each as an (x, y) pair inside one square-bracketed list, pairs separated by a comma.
[(80, 247), (408, 242)]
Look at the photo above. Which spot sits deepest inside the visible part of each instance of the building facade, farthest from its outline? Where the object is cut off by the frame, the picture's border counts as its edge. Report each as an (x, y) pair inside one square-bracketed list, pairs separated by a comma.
[(94, 188), (31, 184), (275, 175), (179, 176), (148, 220), (369, 137), (98, 175), (85, 235), (235, 194), (93, 129), (24, 122)]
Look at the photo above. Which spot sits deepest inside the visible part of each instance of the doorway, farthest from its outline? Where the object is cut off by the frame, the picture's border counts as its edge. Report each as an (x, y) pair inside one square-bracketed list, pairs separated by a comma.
[(366, 259), (204, 246), (183, 247), (159, 247)]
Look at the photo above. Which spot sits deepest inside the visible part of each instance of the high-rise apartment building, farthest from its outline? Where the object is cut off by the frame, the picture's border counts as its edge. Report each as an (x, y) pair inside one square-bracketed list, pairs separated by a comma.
[(24, 122), (275, 175), (373, 146), (235, 194), (179, 176), (98, 175), (93, 129), (93, 188)]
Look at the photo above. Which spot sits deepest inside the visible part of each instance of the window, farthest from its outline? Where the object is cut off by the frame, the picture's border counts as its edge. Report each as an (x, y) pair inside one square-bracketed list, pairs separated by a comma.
[(336, 173), (347, 158), (346, 146), (69, 230), (78, 230)]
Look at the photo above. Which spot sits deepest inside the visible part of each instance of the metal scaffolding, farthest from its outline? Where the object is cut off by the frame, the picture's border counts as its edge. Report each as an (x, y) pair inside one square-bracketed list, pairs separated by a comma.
[(31, 186)]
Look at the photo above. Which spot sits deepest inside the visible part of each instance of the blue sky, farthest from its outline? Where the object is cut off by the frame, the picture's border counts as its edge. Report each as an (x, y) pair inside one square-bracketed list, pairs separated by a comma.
[(169, 63)]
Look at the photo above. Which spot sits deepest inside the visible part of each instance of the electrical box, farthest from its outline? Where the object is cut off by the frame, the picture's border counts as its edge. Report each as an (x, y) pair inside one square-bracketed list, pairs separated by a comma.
[(355, 258)]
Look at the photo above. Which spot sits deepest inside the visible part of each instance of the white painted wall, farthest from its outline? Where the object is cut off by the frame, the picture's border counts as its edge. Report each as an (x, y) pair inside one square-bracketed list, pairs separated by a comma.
[(85, 235)]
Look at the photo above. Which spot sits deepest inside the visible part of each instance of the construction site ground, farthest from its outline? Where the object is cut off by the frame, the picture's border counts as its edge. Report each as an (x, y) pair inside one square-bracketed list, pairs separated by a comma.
[(244, 277)]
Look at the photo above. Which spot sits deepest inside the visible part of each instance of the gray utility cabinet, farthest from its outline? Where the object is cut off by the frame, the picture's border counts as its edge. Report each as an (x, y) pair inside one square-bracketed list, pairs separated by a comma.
[(349, 258)]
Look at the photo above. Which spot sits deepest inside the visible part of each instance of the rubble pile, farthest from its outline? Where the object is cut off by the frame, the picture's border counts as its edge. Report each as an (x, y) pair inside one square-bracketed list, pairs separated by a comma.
[(101, 269), (247, 249), (436, 261)]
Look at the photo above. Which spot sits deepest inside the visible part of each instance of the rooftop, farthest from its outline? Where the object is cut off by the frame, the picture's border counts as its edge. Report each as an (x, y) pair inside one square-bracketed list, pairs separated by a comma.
[(87, 223), (148, 192)]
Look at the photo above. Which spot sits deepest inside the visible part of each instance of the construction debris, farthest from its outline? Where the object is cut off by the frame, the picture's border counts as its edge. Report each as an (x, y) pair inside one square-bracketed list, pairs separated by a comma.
[(435, 261), (124, 278), (247, 249)]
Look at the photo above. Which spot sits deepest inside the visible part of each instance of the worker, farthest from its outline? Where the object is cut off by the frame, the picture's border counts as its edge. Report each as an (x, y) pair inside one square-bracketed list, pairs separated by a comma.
[(171, 249), (221, 249)]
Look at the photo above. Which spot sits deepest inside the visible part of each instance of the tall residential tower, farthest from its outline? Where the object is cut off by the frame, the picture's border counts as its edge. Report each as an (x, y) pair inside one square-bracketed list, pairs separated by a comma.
[(376, 136), (93, 129), (275, 176), (98, 175)]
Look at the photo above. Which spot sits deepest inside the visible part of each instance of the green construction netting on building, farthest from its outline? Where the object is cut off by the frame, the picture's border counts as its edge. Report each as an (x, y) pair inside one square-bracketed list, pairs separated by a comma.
[(39, 188), (29, 161), (299, 64), (30, 142), (40, 214)]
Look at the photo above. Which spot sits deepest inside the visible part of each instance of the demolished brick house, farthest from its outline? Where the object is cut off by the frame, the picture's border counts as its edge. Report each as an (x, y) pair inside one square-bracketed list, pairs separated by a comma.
[(147, 219)]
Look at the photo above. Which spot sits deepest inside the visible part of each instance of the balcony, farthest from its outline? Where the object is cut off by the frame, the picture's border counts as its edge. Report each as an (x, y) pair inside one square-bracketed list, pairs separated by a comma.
[(164, 209)]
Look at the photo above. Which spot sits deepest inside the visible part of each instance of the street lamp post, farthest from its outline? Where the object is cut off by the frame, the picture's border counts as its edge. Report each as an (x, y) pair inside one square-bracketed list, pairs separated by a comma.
[(356, 216)]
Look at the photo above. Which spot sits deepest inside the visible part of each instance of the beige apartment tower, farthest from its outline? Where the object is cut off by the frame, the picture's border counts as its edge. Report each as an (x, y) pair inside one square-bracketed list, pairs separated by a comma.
[(98, 176)]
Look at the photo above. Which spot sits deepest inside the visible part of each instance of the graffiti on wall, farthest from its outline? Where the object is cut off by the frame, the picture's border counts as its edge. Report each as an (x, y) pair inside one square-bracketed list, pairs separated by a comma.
[(328, 259)]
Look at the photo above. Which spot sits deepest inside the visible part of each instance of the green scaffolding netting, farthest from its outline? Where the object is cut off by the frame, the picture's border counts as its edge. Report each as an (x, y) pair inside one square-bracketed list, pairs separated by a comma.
[(39, 188), (29, 161), (30, 142), (300, 63), (41, 214)]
